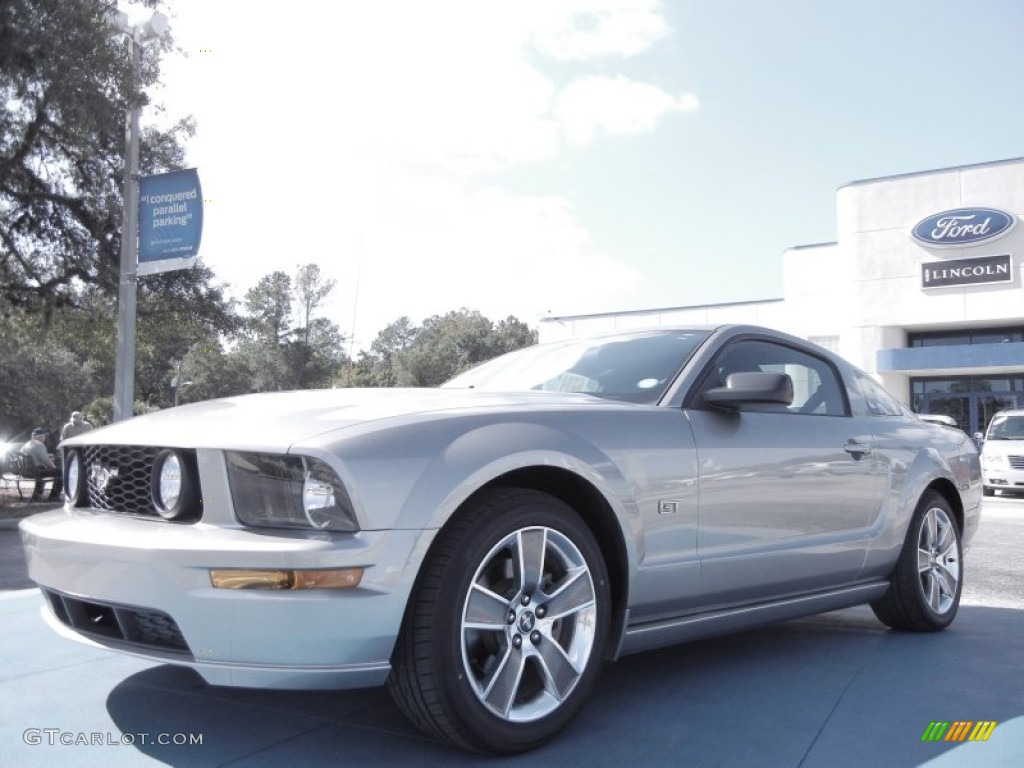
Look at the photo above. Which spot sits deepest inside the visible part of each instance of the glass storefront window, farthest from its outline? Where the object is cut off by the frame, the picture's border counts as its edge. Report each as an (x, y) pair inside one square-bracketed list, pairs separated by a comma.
[(971, 400), (967, 385), (936, 341), (935, 386), (973, 336)]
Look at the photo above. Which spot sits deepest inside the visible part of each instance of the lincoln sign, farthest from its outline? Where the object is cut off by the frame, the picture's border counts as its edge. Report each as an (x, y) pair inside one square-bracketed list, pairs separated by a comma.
[(990, 269)]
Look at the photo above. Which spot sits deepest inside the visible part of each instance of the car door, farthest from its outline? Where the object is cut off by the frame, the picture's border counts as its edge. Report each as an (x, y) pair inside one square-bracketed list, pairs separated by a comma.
[(786, 492)]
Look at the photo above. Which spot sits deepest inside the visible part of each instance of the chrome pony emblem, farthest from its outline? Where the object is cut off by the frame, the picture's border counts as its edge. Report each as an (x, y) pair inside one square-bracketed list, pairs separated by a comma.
[(101, 476)]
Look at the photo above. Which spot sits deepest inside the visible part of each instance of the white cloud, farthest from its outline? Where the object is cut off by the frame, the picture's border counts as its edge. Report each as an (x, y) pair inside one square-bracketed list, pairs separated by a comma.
[(584, 29), (479, 247), (358, 136), (615, 105)]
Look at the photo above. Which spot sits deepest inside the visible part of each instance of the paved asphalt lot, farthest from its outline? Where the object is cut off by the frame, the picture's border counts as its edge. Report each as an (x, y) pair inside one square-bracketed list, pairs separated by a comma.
[(833, 690)]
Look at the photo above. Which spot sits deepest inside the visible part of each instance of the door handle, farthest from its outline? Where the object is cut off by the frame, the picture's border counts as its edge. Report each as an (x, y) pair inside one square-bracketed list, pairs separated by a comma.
[(857, 449)]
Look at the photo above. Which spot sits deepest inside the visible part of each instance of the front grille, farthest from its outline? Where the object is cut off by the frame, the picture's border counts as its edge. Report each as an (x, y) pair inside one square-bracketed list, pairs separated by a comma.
[(1016, 462), (138, 626), (118, 478)]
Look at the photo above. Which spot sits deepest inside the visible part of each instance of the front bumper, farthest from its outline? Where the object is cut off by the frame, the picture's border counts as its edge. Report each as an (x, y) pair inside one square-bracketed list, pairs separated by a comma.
[(1004, 478), (143, 587)]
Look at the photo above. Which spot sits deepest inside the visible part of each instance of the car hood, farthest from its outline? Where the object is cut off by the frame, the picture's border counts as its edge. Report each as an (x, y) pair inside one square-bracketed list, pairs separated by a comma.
[(276, 420), (1003, 447)]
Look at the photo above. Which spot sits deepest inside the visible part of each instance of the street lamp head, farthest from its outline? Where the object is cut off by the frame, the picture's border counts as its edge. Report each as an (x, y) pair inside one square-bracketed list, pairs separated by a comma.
[(156, 26)]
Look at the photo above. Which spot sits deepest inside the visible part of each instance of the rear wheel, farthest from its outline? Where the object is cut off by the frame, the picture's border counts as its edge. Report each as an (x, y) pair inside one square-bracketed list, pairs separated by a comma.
[(507, 628), (924, 593)]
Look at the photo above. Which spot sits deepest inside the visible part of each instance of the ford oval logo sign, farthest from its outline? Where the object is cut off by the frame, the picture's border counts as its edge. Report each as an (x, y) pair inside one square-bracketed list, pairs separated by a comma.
[(963, 226)]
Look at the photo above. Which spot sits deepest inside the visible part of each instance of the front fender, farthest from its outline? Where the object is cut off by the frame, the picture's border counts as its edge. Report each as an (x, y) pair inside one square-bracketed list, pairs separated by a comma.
[(485, 454)]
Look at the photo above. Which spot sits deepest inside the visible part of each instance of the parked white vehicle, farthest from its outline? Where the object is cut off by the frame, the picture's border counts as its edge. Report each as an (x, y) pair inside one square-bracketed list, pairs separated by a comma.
[(1002, 455)]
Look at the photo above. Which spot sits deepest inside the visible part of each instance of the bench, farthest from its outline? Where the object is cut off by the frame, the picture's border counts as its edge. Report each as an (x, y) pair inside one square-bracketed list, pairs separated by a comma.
[(10, 472), (17, 467)]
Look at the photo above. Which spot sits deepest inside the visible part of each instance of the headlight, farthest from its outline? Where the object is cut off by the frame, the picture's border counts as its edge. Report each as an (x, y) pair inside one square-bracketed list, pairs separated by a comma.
[(175, 486), (993, 460), (275, 491), (74, 477)]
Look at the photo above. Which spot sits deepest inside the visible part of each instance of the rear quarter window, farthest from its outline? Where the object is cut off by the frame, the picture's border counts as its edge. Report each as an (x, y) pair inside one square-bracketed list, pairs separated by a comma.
[(876, 400)]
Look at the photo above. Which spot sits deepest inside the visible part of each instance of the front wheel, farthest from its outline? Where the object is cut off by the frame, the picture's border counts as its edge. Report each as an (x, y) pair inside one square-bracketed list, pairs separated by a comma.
[(507, 627), (924, 592)]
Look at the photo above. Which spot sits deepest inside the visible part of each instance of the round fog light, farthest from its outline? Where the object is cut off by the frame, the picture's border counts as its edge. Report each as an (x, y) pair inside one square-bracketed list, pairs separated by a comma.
[(169, 481), (174, 486), (73, 476)]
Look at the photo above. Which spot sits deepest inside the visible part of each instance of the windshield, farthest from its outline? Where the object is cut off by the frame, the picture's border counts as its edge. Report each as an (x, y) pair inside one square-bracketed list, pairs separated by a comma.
[(1006, 428), (637, 368)]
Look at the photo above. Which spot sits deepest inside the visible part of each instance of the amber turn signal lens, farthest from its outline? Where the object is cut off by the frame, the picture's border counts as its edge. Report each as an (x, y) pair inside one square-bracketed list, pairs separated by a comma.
[(250, 578)]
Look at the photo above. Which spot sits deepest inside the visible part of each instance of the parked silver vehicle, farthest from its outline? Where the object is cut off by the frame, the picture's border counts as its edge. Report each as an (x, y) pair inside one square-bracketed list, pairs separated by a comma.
[(1002, 453), (485, 547)]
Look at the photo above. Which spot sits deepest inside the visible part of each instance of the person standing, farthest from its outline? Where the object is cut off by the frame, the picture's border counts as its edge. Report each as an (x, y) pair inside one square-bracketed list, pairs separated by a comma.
[(43, 467), (76, 426)]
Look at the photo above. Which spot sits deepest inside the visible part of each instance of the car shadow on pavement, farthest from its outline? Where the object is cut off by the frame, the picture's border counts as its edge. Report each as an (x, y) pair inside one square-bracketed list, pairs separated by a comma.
[(831, 690)]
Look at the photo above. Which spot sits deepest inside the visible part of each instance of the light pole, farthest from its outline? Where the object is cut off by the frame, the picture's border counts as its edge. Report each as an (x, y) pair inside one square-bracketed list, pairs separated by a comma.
[(177, 383), (124, 367)]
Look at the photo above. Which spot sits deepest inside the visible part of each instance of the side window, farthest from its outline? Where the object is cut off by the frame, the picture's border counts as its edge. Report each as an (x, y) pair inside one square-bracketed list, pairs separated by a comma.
[(816, 387), (878, 401)]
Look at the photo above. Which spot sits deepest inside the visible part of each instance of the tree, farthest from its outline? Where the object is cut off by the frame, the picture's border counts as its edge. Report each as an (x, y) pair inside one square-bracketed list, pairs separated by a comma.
[(66, 360), (376, 366), (311, 288), (317, 347), (62, 145), (511, 334), (177, 313), (449, 344), (41, 381), (283, 356), (269, 309), (316, 360), (207, 371), (410, 356), (269, 306), (66, 86)]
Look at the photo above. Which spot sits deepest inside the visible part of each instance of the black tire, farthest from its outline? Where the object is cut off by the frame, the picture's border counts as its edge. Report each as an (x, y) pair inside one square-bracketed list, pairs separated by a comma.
[(469, 620), (925, 586), (988, 491)]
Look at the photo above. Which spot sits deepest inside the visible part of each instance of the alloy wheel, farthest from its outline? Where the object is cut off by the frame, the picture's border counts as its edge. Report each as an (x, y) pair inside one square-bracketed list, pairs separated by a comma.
[(528, 624), (938, 560)]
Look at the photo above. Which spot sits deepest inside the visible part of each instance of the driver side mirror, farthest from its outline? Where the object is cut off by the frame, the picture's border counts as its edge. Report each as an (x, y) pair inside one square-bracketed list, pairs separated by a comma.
[(749, 388)]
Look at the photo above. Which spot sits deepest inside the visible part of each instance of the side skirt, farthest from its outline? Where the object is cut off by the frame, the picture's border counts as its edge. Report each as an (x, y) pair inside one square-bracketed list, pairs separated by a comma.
[(658, 634)]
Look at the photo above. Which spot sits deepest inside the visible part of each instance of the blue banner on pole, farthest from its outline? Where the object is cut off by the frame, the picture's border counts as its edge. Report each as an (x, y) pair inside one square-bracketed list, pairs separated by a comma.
[(170, 221)]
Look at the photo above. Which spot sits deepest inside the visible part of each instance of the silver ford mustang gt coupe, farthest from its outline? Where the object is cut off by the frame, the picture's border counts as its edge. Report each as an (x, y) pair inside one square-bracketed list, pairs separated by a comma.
[(485, 547)]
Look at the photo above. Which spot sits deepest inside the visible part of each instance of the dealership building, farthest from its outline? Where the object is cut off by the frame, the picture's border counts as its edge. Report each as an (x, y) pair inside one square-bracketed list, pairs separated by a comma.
[(922, 289)]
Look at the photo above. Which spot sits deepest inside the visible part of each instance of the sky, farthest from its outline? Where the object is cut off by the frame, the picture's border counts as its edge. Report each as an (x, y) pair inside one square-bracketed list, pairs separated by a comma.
[(555, 157)]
